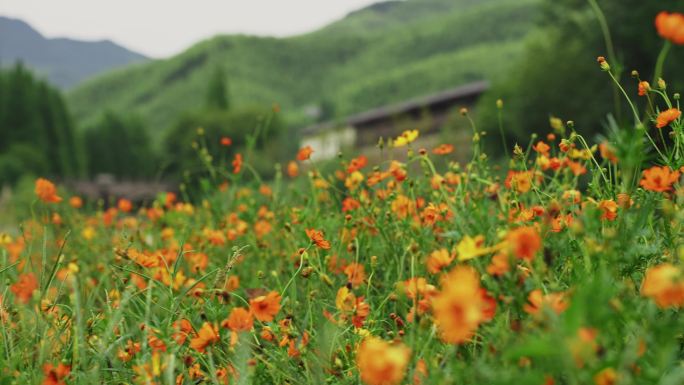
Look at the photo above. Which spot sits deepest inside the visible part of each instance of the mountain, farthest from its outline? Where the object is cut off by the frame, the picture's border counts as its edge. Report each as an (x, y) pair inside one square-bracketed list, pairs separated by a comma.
[(381, 54), (63, 62)]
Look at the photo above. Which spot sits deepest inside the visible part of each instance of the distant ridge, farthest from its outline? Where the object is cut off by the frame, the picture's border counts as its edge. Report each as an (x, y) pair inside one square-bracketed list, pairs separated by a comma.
[(380, 55), (63, 62)]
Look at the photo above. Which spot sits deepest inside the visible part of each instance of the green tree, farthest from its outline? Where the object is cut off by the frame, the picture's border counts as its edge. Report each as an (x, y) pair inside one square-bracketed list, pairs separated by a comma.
[(217, 92), (559, 76), (119, 146), (36, 130), (183, 143)]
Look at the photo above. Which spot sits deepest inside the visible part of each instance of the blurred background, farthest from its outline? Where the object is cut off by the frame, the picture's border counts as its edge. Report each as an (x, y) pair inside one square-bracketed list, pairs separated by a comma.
[(96, 95)]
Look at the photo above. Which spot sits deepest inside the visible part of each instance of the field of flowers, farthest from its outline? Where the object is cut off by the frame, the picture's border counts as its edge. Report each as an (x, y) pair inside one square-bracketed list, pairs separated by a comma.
[(564, 267)]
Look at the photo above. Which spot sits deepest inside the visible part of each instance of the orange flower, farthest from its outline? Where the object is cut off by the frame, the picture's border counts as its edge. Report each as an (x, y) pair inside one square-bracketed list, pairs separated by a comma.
[(76, 202), (438, 260), (542, 148), (537, 301), (240, 319), (403, 206), (350, 204), (361, 312), (226, 141), (643, 88), (155, 343), (46, 191), (183, 330), (608, 209), (316, 237), (524, 242), (125, 205), (24, 287), (55, 375), (357, 163), (381, 363), (499, 265), (265, 307), (519, 180), (207, 335), (169, 199), (417, 287), (607, 376), (237, 163), (304, 153), (665, 285), (670, 26), (459, 307), (583, 346), (129, 351), (443, 149), (292, 169), (607, 153), (666, 117), (659, 179), (356, 274)]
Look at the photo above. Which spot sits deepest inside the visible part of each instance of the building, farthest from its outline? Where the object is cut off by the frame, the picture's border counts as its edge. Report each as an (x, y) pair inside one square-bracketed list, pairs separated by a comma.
[(362, 131)]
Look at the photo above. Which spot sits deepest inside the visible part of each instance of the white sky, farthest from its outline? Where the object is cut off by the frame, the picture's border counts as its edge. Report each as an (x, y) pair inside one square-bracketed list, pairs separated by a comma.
[(160, 28)]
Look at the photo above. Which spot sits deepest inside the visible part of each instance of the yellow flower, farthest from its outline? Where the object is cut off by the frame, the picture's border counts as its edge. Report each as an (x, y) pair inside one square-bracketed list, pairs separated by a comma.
[(5, 239), (345, 299), (470, 248), (88, 233), (405, 138), (353, 180)]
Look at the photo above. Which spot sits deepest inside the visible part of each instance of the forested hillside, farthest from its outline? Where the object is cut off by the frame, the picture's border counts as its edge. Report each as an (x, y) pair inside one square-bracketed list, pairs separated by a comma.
[(384, 53)]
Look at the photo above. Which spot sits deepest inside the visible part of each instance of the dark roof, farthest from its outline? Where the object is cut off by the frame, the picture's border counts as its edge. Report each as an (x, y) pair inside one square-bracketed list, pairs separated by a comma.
[(454, 94)]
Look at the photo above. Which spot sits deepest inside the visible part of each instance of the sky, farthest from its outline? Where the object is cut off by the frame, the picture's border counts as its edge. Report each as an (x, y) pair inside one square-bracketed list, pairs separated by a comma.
[(161, 28)]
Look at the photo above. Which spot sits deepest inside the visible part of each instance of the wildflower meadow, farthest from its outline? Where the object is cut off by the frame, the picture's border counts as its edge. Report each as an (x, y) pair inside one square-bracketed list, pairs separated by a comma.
[(562, 264)]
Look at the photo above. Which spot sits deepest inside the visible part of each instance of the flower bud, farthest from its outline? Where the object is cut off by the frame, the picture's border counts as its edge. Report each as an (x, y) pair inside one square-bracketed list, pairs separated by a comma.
[(603, 63), (661, 84)]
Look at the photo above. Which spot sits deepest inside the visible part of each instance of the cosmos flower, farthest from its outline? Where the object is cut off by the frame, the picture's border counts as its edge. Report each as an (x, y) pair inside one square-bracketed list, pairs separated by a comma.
[(670, 26), (46, 191), (438, 260), (316, 237), (304, 153), (240, 319), (382, 363), (206, 335), (666, 117), (265, 307), (356, 274), (664, 284), (24, 287), (537, 301), (405, 138), (659, 179), (524, 242), (237, 163), (459, 308), (55, 375), (443, 149)]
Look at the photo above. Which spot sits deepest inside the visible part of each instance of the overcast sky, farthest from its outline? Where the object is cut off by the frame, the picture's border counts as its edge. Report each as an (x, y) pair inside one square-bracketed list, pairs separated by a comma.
[(160, 28)]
